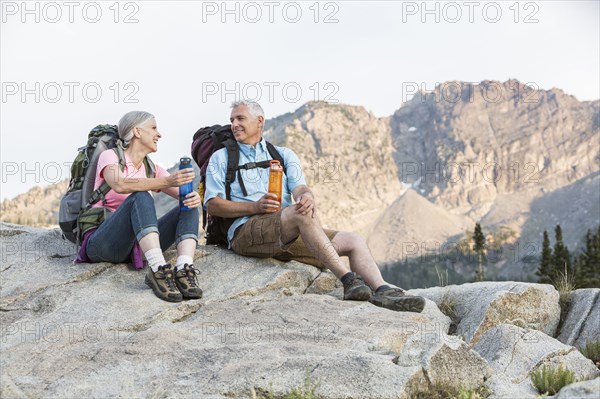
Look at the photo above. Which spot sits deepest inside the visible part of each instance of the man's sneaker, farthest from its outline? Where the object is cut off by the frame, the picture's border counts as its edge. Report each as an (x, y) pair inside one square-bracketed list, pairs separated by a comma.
[(186, 281), (396, 299), (162, 284), (355, 289)]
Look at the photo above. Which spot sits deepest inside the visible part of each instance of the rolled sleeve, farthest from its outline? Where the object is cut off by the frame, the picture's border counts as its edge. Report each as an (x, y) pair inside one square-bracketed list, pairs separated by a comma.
[(294, 172)]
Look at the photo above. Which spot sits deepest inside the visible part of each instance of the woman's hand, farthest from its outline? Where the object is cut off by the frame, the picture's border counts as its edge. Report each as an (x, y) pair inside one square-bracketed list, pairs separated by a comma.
[(192, 200), (181, 177)]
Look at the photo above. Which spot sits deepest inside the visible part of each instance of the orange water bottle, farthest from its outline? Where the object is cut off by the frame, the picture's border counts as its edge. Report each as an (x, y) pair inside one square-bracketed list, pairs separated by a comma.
[(276, 180)]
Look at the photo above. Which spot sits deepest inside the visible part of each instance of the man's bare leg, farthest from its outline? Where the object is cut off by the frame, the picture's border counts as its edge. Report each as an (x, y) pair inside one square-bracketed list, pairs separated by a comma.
[(362, 262), (356, 249), (329, 252), (352, 245), (294, 224)]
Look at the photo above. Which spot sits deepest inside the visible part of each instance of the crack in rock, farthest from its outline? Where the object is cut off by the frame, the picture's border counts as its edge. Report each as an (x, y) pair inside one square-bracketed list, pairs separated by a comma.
[(560, 352), (173, 315), (87, 275), (6, 268), (13, 310), (283, 283), (511, 289), (545, 359), (578, 333), (311, 282), (11, 233), (512, 355), (189, 311)]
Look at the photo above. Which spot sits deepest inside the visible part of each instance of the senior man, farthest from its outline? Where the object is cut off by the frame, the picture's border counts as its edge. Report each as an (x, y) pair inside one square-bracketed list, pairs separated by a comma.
[(294, 232)]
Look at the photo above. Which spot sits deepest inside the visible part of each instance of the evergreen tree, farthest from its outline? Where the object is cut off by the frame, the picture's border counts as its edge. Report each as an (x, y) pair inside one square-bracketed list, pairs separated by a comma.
[(594, 260), (479, 249), (561, 261), (545, 268), (587, 266)]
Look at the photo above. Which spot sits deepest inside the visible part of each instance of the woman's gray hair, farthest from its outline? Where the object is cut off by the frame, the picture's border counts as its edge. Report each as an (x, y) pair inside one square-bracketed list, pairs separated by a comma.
[(129, 121), (253, 107)]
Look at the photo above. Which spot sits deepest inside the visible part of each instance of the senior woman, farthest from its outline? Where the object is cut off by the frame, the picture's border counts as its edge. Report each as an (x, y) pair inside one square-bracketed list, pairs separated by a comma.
[(134, 220)]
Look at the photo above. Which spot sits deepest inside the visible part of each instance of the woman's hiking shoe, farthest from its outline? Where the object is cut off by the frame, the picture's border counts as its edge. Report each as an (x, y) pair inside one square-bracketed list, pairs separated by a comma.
[(396, 299), (355, 288), (187, 282), (162, 284)]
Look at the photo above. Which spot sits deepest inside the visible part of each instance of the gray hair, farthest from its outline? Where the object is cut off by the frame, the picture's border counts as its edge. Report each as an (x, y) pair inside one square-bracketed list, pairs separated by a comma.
[(131, 120), (253, 107)]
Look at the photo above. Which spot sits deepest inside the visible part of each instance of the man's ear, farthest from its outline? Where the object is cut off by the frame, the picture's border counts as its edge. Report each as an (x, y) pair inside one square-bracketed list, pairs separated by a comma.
[(261, 121)]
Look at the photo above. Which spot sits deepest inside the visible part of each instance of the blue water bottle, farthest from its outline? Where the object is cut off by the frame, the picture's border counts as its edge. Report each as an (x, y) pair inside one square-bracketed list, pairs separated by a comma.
[(185, 163)]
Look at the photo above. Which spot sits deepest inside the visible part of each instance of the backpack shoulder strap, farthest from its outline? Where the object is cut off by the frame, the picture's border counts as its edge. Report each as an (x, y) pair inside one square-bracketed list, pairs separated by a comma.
[(276, 156), (233, 159), (148, 163), (98, 194), (150, 167), (120, 154), (104, 188)]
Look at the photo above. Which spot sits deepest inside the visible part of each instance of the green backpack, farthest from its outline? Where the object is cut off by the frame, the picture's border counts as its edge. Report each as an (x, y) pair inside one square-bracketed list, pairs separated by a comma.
[(76, 215)]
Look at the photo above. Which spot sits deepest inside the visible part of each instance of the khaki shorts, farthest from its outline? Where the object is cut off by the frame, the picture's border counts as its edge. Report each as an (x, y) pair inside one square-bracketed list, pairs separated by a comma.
[(260, 237)]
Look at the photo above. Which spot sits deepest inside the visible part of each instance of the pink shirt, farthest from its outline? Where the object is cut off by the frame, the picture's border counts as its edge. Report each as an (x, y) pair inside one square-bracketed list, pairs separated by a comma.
[(112, 200)]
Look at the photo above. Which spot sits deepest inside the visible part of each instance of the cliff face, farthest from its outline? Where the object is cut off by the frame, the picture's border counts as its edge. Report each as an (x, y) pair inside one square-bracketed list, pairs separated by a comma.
[(494, 139), (502, 154), (347, 157), (505, 155)]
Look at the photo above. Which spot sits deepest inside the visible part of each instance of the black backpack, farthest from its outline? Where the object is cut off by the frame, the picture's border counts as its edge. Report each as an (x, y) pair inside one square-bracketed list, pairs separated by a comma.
[(206, 141)]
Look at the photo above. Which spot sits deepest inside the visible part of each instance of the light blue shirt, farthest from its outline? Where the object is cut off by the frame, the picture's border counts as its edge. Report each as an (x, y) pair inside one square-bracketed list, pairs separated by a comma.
[(256, 180)]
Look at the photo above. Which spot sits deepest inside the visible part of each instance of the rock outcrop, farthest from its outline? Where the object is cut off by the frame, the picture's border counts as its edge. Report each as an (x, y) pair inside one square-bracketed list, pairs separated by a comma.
[(263, 326), (515, 352), (582, 323), (477, 307), (580, 390)]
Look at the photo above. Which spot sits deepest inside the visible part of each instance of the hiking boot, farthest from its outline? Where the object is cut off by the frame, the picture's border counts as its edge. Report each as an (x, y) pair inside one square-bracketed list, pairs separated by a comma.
[(396, 299), (162, 284), (186, 281), (355, 289)]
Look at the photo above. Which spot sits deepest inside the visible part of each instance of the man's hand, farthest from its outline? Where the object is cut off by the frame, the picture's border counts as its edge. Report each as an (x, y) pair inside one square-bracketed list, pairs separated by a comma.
[(192, 200), (305, 204), (267, 204)]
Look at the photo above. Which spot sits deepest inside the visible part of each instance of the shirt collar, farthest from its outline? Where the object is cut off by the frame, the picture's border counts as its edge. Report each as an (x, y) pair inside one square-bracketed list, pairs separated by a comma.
[(247, 148)]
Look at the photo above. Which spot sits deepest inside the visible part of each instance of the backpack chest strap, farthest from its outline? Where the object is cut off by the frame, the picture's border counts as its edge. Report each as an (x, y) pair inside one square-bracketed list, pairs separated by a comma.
[(248, 166), (233, 169), (254, 165)]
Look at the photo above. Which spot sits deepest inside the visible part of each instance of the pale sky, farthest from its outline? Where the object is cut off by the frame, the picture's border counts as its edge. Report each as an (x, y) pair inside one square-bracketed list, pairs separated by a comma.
[(68, 66)]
